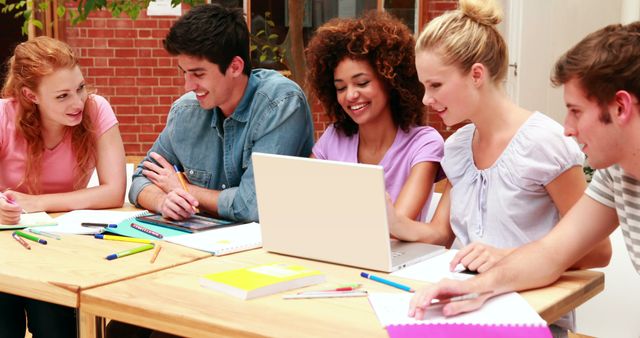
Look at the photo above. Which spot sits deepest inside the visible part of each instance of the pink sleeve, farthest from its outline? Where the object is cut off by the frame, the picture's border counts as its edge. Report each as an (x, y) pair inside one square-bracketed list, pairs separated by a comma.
[(103, 116)]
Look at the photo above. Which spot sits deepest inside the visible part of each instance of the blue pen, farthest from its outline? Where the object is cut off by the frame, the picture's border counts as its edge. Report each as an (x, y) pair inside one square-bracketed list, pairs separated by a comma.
[(386, 281)]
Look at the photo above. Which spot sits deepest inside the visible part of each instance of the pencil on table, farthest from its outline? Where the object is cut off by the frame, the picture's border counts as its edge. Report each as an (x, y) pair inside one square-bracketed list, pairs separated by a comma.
[(156, 252)]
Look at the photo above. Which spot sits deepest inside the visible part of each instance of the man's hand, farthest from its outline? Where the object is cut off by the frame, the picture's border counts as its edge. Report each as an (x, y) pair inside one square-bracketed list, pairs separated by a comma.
[(478, 257), (162, 175), (178, 205), (444, 289)]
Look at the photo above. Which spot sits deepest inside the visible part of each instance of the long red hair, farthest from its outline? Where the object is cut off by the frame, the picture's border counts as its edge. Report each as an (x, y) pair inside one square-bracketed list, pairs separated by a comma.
[(31, 61)]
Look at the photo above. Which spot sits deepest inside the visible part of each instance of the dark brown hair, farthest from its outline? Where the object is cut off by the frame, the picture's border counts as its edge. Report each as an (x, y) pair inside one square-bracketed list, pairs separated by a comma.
[(604, 62)]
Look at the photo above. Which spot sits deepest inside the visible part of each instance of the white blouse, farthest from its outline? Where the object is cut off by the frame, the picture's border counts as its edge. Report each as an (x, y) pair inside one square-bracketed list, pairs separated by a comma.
[(507, 205)]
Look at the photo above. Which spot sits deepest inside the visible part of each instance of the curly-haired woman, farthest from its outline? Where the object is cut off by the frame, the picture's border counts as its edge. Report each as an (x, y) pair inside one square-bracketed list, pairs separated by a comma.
[(362, 71)]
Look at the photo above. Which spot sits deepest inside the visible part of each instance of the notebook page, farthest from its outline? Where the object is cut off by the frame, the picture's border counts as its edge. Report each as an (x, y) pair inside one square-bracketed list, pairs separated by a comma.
[(507, 309), (433, 269), (222, 241), (69, 223), (33, 219)]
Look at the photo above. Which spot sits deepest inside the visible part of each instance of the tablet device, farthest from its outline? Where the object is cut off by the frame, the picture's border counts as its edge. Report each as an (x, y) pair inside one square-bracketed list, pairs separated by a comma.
[(194, 224)]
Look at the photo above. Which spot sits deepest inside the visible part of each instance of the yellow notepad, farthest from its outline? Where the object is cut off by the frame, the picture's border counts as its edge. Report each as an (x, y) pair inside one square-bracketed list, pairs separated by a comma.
[(261, 280), (33, 219)]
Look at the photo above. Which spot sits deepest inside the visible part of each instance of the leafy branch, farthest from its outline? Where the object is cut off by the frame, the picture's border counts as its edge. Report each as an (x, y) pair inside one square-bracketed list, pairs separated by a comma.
[(78, 10)]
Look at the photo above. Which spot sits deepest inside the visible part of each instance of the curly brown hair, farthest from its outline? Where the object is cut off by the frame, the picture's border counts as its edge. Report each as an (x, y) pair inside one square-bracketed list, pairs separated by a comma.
[(388, 45)]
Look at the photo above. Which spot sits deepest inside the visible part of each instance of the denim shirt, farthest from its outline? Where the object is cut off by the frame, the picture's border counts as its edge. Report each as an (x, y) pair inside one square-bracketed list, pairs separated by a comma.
[(214, 152)]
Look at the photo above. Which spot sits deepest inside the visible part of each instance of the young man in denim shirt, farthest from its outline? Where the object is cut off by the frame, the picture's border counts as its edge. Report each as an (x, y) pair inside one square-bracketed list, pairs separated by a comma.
[(229, 112)]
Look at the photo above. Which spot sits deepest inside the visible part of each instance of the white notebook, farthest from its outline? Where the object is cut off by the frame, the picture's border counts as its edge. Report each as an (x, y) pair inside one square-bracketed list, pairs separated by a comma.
[(434, 269), (506, 309), (70, 223), (222, 241)]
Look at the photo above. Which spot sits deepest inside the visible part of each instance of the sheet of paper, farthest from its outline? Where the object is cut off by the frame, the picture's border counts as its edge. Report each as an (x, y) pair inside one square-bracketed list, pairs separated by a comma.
[(433, 269), (69, 223), (225, 240), (509, 308), (33, 219)]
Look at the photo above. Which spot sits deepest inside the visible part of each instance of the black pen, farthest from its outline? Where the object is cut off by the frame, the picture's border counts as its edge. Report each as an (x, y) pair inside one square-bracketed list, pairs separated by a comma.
[(103, 225)]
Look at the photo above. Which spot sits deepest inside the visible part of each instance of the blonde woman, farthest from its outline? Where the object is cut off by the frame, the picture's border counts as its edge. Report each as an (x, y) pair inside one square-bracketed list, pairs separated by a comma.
[(512, 173)]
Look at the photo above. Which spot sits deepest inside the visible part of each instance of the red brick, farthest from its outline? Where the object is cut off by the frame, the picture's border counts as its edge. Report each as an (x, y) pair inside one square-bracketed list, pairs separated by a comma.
[(122, 62), (128, 100), (132, 149), (125, 119), (144, 33), (144, 137), (147, 43), (101, 62), (101, 72), (129, 110), (130, 128), (120, 23), (148, 119), (146, 62), (145, 23), (129, 137), (126, 72), (145, 90), (121, 43), (99, 33), (146, 81), (126, 91), (126, 53), (147, 100), (126, 33), (100, 52)]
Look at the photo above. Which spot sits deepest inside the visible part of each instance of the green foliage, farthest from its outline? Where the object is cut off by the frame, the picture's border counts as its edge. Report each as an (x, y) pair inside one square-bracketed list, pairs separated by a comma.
[(265, 43), (80, 9)]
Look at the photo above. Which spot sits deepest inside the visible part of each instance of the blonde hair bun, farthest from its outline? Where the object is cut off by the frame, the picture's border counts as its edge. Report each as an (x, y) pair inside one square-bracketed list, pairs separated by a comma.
[(485, 12)]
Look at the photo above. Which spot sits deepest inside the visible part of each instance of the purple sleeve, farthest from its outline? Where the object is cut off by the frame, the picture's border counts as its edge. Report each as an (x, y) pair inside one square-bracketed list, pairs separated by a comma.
[(428, 147)]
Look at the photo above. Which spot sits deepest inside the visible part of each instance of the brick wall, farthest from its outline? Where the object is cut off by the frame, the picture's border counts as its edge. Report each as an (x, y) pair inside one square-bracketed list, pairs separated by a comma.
[(123, 60)]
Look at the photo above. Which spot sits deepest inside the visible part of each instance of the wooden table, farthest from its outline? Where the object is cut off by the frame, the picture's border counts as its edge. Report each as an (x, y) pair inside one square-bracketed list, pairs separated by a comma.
[(173, 301), (59, 271)]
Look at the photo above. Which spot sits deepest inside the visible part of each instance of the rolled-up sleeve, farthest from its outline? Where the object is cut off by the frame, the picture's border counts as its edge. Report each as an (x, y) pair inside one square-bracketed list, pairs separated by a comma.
[(162, 146)]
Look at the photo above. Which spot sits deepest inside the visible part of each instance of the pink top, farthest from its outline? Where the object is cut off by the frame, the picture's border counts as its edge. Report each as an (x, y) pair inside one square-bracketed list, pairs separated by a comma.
[(419, 144), (58, 174)]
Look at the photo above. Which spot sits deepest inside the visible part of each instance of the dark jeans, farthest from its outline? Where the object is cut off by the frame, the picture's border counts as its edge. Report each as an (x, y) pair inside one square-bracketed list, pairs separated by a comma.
[(116, 329), (45, 320)]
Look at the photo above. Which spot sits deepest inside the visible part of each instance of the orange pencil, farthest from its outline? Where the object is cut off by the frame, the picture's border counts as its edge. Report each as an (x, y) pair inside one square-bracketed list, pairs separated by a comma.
[(183, 182), (156, 252)]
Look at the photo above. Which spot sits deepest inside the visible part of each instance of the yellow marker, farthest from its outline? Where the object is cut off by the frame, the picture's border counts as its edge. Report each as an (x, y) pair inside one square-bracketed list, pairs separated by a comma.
[(122, 238)]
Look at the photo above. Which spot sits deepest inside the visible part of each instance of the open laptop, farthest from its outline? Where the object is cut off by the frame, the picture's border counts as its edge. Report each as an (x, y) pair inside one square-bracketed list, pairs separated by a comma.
[(329, 211)]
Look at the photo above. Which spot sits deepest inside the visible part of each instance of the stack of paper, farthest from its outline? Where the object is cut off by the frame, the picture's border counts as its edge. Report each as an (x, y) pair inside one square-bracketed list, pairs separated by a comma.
[(70, 223)]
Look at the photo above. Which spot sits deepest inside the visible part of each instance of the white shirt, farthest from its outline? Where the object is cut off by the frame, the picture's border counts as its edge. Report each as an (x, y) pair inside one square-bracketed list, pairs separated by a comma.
[(507, 205)]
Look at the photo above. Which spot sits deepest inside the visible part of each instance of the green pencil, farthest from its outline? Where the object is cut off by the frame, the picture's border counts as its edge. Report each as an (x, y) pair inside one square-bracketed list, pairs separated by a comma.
[(130, 251)]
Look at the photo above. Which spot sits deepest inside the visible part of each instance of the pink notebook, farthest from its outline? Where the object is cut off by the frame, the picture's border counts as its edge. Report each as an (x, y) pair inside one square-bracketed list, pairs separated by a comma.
[(468, 330)]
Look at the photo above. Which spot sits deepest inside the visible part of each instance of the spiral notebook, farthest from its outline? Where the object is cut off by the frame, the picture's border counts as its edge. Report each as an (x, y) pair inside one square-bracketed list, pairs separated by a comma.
[(507, 315), (224, 240), (71, 222)]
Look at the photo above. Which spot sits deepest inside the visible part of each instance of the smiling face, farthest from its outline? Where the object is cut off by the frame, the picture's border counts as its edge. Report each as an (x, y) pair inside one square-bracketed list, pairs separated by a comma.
[(360, 92), (448, 92), (60, 97), (599, 140), (212, 87)]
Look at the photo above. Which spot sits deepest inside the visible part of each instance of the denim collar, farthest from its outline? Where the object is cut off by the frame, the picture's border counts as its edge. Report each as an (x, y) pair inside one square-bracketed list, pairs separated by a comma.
[(242, 112)]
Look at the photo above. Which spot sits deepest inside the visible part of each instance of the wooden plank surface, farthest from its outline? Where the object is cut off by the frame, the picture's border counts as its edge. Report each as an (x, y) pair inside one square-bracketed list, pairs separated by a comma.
[(173, 301), (58, 271)]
